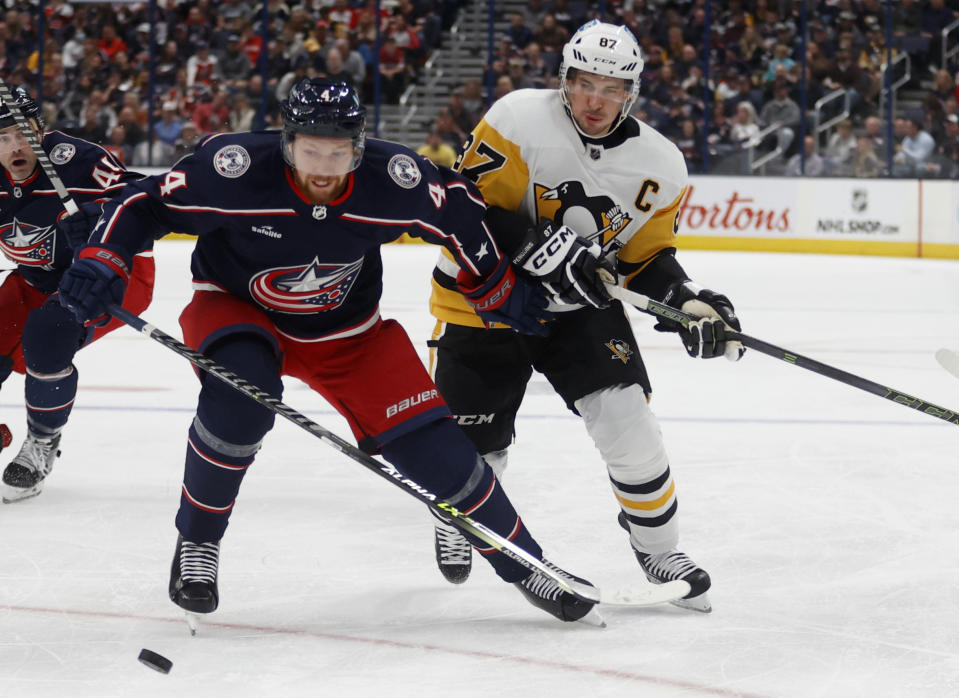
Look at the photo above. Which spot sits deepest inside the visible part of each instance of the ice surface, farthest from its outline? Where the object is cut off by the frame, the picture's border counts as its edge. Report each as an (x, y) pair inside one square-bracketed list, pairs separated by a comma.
[(826, 516)]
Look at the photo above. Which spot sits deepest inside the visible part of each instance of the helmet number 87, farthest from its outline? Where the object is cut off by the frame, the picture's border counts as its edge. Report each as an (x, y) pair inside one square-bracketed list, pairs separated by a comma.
[(606, 42)]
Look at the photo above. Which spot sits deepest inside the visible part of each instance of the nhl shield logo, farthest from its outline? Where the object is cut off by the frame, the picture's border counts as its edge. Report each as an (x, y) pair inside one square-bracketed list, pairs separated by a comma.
[(403, 170), (62, 153), (859, 200), (319, 212), (231, 161)]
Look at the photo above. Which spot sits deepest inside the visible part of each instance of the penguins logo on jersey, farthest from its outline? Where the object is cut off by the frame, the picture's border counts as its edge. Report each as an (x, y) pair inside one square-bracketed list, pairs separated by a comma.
[(597, 218), (62, 153), (308, 288), (27, 244), (404, 171), (231, 161), (620, 349)]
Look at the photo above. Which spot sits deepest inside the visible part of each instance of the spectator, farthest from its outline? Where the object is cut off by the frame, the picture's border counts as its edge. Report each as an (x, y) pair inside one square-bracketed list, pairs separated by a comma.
[(518, 33), (841, 145), (234, 65), (203, 67), (353, 62), (780, 58), (815, 163), (168, 128), (392, 70), (109, 43), (916, 148), (241, 114), (211, 113), (464, 120), (334, 67), (689, 143), (872, 131), (865, 161), (783, 112), (187, 140), (448, 130), (436, 150), (538, 70)]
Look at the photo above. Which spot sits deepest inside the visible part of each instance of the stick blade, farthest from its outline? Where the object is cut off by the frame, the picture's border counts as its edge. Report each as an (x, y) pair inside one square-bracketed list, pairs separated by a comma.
[(949, 360), (646, 595)]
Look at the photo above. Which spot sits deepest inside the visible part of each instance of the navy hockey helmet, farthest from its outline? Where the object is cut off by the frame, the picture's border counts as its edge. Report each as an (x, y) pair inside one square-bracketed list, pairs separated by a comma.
[(27, 105), (322, 107)]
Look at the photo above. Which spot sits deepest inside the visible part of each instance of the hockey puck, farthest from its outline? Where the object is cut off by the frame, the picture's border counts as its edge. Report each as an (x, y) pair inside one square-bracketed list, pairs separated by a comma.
[(155, 661)]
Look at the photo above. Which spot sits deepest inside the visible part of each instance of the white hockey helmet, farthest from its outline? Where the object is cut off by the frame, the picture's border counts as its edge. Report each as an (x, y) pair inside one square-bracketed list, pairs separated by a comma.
[(603, 49)]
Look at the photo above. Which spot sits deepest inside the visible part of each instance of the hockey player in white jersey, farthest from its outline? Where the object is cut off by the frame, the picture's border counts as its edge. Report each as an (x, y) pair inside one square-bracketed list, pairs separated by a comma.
[(572, 166)]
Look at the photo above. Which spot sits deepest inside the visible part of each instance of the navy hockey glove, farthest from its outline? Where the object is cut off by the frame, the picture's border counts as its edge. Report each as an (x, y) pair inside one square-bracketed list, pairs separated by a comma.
[(77, 228), (706, 338), (506, 298), (96, 279), (565, 264)]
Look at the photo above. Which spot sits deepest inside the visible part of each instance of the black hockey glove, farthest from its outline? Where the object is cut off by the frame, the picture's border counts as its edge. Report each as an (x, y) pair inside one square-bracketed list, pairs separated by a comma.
[(77, 228), (506, 298), (706, 338), (565, 264)]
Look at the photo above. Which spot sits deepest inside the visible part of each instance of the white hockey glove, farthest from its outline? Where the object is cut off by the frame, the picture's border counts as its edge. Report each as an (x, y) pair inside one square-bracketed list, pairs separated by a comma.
[(705, 338), (565, 264)]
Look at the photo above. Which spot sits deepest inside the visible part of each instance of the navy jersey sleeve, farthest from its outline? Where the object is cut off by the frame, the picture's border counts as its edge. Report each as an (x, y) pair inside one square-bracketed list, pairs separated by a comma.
[(173, 201), (458, 221)]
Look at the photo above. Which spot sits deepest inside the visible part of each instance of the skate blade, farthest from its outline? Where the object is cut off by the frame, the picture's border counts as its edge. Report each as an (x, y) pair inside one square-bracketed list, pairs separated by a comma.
[(594, 618), (15, 494), (193, 621), (700, 604)]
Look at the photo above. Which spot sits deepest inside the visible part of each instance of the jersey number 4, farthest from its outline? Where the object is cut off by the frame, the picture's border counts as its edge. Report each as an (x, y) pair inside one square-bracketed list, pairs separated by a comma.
[(494, 160), (106, 173)]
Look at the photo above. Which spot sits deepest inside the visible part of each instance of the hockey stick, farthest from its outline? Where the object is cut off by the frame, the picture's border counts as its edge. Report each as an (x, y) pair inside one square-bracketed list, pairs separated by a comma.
[(949, 360), (648, 305), (31, 137), (643, 596)]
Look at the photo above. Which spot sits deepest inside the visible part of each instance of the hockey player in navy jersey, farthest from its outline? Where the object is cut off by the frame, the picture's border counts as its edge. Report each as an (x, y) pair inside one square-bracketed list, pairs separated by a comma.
[(287, 277), (38, 336)]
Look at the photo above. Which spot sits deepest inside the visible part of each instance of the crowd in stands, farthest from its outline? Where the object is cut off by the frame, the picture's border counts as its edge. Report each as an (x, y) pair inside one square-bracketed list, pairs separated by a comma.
[(213, 72)]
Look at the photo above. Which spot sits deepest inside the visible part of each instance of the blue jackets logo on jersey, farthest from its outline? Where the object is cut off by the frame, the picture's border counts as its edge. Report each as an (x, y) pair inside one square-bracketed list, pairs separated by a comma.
[(27, 244), (62, 153), (231, 160), (310, 288), (403, 170)]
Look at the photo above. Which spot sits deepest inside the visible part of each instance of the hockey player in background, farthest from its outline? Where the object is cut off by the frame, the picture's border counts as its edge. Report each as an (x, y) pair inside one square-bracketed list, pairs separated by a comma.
[(287, 277), (38, 336), (574, 167)]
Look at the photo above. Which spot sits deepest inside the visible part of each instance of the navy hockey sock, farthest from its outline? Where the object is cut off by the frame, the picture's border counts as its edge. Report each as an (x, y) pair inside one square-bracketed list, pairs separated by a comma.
[(440, 458), (49, 399), (224, 437)]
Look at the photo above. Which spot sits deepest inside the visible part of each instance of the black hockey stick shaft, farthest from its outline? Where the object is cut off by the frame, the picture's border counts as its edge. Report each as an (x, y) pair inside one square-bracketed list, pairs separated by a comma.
[(647, 305), (31, 137), (383, 469)]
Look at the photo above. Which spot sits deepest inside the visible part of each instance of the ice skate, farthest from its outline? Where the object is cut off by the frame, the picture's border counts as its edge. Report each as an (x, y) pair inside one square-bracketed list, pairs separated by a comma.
[(672, 565), (454, 554), (544, 593), (193, 578), (23, 477)]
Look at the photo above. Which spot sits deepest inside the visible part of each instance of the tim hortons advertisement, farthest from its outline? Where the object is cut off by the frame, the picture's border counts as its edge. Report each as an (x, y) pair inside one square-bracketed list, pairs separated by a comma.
[(738, 207), (802, 209)]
